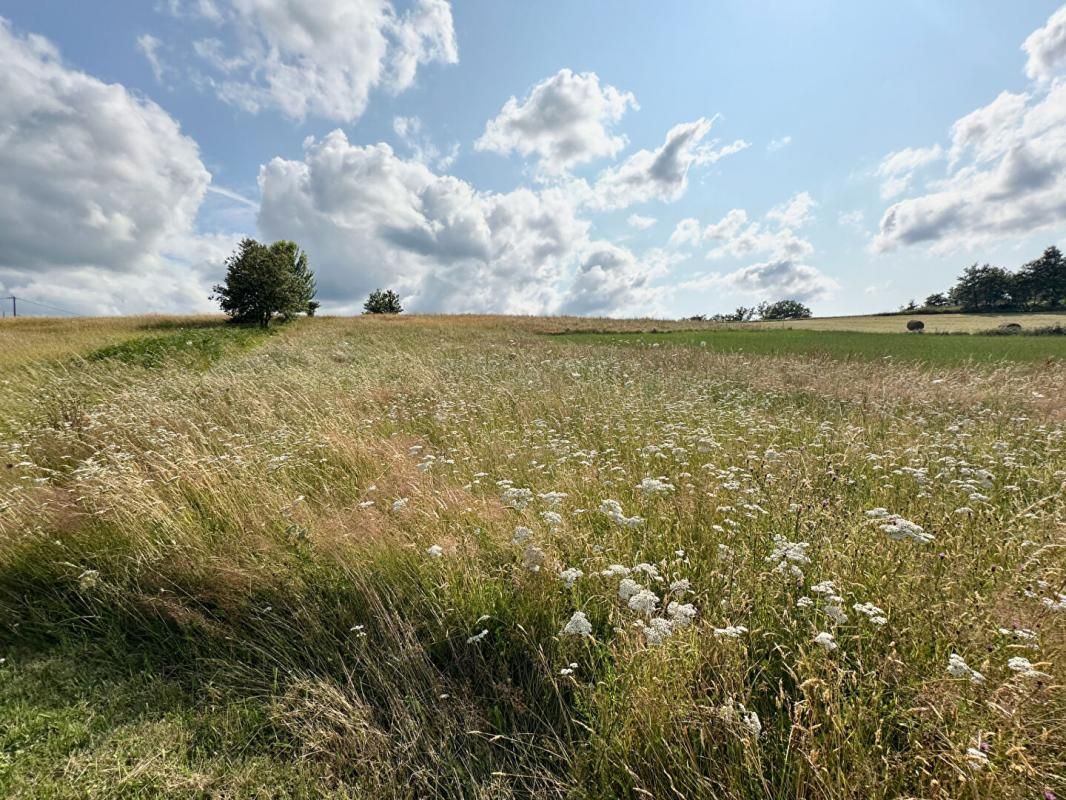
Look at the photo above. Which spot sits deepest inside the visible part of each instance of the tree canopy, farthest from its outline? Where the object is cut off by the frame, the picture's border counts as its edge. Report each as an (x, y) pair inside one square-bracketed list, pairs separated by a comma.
[(264, 281)]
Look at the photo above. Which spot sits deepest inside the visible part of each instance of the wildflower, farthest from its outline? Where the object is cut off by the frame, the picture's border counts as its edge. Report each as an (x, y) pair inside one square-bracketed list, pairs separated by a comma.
[(788, 555), (613, 509), (435, 551), (826, 641), (751, 721), (958, 668), (366, 504), (615, 571), (399, 504), (680, 586), (477, 637), (568, 670), (657, 631), (871, 612), (516, 498), (899, 528), (520, 535), (358, 630), (570, 576), (88, 579), (804, 602), (533, 558), (1056, 603), (730, 632), (552, 517), (681, 614), (824, 587), (553, 498), (627, 588), (578, 625), (1020, 634), (1025, 668), (644, 602), (650, 570), (654, 486)]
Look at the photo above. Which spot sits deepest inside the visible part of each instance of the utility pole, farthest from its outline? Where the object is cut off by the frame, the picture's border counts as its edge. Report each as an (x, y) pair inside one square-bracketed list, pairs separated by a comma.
[(14, 308)]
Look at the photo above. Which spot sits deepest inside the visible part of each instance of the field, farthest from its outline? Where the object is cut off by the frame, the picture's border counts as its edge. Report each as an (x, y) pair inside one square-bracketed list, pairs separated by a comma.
[(927, 348), (435, 557), (934, 323)]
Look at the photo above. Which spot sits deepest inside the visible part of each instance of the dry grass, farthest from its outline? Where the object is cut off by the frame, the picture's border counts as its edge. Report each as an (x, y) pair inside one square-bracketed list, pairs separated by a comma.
[(221, 548), (934, 323)]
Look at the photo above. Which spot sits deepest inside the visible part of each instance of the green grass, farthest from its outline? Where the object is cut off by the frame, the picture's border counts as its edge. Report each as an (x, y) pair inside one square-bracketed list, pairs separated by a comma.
[(195, 347), (938, 349)]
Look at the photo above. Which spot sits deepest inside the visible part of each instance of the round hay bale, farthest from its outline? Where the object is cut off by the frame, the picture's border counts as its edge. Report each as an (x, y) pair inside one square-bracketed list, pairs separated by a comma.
[(915, 325)]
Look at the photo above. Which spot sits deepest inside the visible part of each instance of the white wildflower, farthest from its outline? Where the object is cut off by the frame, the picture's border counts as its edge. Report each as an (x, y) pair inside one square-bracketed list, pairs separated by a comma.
[(871, 612), (435, 551), (516, 498), (399, 504), (681, 614), (805, 602), (1025, 668), (657, 631), (520, 535), (552, 518), (644, 602), (730, 632), (826, 641), (533, 558), (654, 486), (615, 571), (976, 758), (627, 588), (477, 637), (958, 668), (570, 576), (578, 625), (680, 586), (569, 670), (88, 579)]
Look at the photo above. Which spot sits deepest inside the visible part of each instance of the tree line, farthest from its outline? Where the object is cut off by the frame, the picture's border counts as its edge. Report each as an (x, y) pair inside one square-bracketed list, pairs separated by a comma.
[(1036, 286)]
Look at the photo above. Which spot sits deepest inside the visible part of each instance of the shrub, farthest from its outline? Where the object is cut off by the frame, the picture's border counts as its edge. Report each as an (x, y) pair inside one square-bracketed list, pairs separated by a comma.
[(916, 325), (382, 302), (784, 309)]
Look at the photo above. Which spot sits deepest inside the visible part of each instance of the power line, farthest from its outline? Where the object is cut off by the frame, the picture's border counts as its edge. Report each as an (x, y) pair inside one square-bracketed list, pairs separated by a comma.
[(14, 299)]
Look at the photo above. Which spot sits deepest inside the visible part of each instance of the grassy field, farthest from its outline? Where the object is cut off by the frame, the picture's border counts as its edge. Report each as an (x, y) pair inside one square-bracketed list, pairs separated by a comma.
[(437, 557), (847, 345), (934, 323)]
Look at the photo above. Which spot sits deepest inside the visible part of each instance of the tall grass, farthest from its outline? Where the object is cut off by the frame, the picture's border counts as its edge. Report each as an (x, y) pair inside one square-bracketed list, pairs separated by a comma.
[(248, 552)]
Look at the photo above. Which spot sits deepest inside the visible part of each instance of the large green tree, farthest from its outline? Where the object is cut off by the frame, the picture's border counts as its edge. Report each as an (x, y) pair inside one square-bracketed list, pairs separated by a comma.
[(267, 281), (983, 288), (1043, 282), (784, 309)]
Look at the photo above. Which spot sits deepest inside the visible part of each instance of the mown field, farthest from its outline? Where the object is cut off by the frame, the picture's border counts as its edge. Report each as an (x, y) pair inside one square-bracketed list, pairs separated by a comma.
[(457, 557), (928, 348), (934, 323)]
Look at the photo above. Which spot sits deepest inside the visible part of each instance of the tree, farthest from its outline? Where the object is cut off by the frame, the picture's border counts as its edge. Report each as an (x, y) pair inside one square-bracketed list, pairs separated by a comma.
[(937, 300), (1043, 281), (784, 309), (983, 288), (266, 281), (742, 314), (382, 302), (910, 306)]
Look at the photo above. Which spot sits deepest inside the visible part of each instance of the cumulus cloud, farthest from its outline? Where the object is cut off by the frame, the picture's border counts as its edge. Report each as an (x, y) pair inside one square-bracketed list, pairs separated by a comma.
[(660, 174), (323, 58), (640, 222), (1006, 168), (566, 120), (91, 176), (1046, 47), (781, 280), (611, 280), (898, 168), (797, 212), (410, 131)]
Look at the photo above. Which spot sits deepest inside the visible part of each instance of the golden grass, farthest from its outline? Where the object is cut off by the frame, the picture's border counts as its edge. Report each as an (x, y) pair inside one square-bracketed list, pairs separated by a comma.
[(232, 532), (934, 323)]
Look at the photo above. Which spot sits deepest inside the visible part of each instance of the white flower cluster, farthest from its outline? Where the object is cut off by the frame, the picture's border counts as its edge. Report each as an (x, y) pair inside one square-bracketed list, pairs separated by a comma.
[(788, 556), (958, 668), (899, 528), (516, 498), (613, 509), (578, 625), (654, 486)]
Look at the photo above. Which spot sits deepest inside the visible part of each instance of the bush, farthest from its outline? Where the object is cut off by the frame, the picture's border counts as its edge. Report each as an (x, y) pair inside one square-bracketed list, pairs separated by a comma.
[(916, 325), (784, 309), (266, 281), (382, 302)]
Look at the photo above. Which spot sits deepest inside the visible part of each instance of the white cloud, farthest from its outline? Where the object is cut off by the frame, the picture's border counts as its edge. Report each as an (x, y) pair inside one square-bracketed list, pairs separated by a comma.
[(324, 58), (1046, 47), (410, 131), (797, 212), (851, 219), (660, 174), (90, 175), (202, 9), (149, 46), (565, 121), (612, 281), (778, 144), (898, 168), (686, 232), (640, 222), (782, 280), (1006, 171)]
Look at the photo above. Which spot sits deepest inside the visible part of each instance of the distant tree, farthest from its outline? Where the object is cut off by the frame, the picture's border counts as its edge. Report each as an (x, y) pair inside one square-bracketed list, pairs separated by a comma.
[(910, 306), (1043, 281), (937, 300), (698, 318), (264, 281), (382, 302), (742, 314), (983, 288), (784, 309)]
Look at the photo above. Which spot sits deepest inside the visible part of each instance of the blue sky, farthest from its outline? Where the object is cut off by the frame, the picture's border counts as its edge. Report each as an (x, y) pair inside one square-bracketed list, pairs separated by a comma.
[(657, 158)]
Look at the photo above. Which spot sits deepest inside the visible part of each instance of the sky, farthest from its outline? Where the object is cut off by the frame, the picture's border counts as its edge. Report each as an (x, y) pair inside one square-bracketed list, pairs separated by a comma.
[(608, 157)]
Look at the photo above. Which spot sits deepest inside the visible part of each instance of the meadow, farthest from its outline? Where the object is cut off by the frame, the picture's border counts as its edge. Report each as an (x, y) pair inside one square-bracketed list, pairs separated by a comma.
[(461, 558)]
